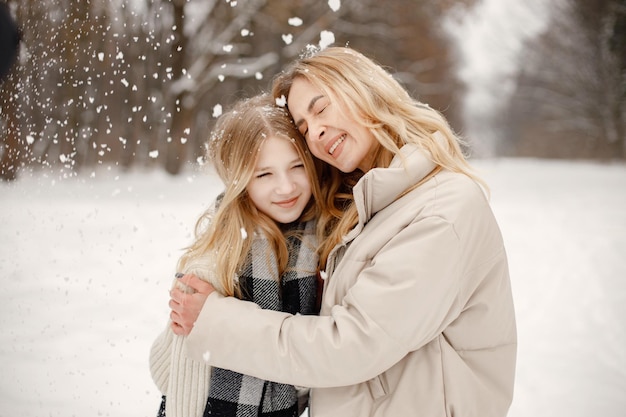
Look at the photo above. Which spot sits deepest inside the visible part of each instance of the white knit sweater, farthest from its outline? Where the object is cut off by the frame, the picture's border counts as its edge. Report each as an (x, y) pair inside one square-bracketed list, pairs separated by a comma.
[(184, 382)]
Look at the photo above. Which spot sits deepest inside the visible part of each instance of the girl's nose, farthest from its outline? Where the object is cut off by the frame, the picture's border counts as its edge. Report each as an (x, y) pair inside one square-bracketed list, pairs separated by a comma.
[(285, 185)]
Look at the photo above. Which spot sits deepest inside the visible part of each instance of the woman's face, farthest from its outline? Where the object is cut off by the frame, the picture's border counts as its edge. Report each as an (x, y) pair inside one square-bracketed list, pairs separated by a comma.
[(330, 135)]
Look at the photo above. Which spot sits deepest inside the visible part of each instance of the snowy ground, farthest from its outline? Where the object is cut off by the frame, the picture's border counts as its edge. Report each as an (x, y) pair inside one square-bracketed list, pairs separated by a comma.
[(86, 264)]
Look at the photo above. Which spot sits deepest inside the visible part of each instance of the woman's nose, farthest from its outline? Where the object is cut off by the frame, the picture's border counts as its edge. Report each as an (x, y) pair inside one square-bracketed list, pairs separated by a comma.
[(316, 131)]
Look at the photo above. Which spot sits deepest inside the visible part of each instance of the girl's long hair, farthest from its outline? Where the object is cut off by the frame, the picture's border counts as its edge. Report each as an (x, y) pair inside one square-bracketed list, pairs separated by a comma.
[(226, 232), (367, 94)]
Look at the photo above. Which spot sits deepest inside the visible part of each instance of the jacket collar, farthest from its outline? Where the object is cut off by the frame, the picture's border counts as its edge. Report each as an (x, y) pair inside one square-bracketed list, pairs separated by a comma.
[(380, 187)]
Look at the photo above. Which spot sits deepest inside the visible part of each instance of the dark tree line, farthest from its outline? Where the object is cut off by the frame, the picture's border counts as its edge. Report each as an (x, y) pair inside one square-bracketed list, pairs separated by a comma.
[(138, 83), (571, 96)]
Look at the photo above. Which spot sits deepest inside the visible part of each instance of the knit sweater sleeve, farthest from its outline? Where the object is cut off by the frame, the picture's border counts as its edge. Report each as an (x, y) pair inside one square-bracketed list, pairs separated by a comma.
[(183, 381), (187, 381), (188, 385), (160, 358)]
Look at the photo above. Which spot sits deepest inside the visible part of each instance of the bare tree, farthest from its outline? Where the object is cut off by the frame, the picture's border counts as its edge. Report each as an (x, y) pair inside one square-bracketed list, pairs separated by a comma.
[(138, 82)]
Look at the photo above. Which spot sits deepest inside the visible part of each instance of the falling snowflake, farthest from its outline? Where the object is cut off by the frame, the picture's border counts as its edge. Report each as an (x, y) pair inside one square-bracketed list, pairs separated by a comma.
[(334, 5), (154, 154), (281, 101), (326, 38), (295, 21), (217, 110), (287, 38)]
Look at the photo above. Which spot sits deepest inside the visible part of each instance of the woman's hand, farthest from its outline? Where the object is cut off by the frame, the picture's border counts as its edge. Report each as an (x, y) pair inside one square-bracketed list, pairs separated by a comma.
[(186, 306)]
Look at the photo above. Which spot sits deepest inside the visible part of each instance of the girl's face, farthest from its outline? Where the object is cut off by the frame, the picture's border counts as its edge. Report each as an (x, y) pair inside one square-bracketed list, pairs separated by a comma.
[(331, 137), (279, 187)]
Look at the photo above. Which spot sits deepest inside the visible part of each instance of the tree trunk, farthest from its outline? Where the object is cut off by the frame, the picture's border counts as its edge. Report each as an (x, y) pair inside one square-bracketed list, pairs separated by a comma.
[(13, 152), (182, 114)]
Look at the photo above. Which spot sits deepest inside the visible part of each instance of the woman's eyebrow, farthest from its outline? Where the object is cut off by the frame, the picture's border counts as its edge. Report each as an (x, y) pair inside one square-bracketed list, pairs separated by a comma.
[(309, 108)]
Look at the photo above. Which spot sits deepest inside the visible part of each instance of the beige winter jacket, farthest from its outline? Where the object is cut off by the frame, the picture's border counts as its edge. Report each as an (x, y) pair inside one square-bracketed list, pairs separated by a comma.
[(417, 316)]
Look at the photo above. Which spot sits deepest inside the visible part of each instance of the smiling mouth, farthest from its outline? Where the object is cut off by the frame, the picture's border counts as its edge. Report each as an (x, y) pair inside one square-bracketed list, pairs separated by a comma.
[(287, 203), (332, 148)]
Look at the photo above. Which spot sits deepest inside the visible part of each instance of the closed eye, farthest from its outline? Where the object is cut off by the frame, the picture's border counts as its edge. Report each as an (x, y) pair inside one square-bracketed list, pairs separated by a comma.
[(305, 131), (316, 107)]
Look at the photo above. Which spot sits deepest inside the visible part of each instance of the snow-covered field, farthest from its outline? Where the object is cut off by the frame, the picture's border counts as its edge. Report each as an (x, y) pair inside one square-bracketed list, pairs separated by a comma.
[(86, 264)]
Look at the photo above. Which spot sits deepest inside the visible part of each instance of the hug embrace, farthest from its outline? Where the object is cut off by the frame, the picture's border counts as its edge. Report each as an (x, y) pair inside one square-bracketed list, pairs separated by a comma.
[(415, 313)]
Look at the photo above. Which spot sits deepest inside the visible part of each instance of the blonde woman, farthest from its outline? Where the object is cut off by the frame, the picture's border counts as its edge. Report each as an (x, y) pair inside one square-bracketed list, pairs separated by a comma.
[(258, 243), (417, 315)]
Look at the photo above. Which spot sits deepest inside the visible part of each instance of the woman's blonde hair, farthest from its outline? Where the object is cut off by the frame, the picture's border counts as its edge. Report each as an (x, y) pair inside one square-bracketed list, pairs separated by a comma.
[(233, 149), (367, 94)]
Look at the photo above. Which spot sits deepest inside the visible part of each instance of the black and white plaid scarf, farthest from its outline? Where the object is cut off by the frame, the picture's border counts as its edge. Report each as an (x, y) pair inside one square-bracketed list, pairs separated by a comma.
[(232, 394)]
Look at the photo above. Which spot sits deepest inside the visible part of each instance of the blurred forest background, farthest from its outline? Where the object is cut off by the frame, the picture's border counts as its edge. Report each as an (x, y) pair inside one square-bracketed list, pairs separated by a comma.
[(138, 83)]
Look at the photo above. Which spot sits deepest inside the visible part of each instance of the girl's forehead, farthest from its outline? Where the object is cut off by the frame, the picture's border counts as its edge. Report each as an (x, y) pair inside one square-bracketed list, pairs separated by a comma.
[(275, 150)]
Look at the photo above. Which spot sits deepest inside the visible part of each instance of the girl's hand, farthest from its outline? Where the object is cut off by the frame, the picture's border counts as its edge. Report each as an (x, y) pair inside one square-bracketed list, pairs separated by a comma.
[(186, 306)]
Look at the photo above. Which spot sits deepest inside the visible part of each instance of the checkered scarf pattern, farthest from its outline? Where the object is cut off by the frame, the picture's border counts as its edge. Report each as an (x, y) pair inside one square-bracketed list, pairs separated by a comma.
[(232, 394)]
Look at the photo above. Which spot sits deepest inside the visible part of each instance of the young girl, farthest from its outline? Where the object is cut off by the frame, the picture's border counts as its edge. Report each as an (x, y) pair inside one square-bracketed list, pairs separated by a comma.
[(257, 243)]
